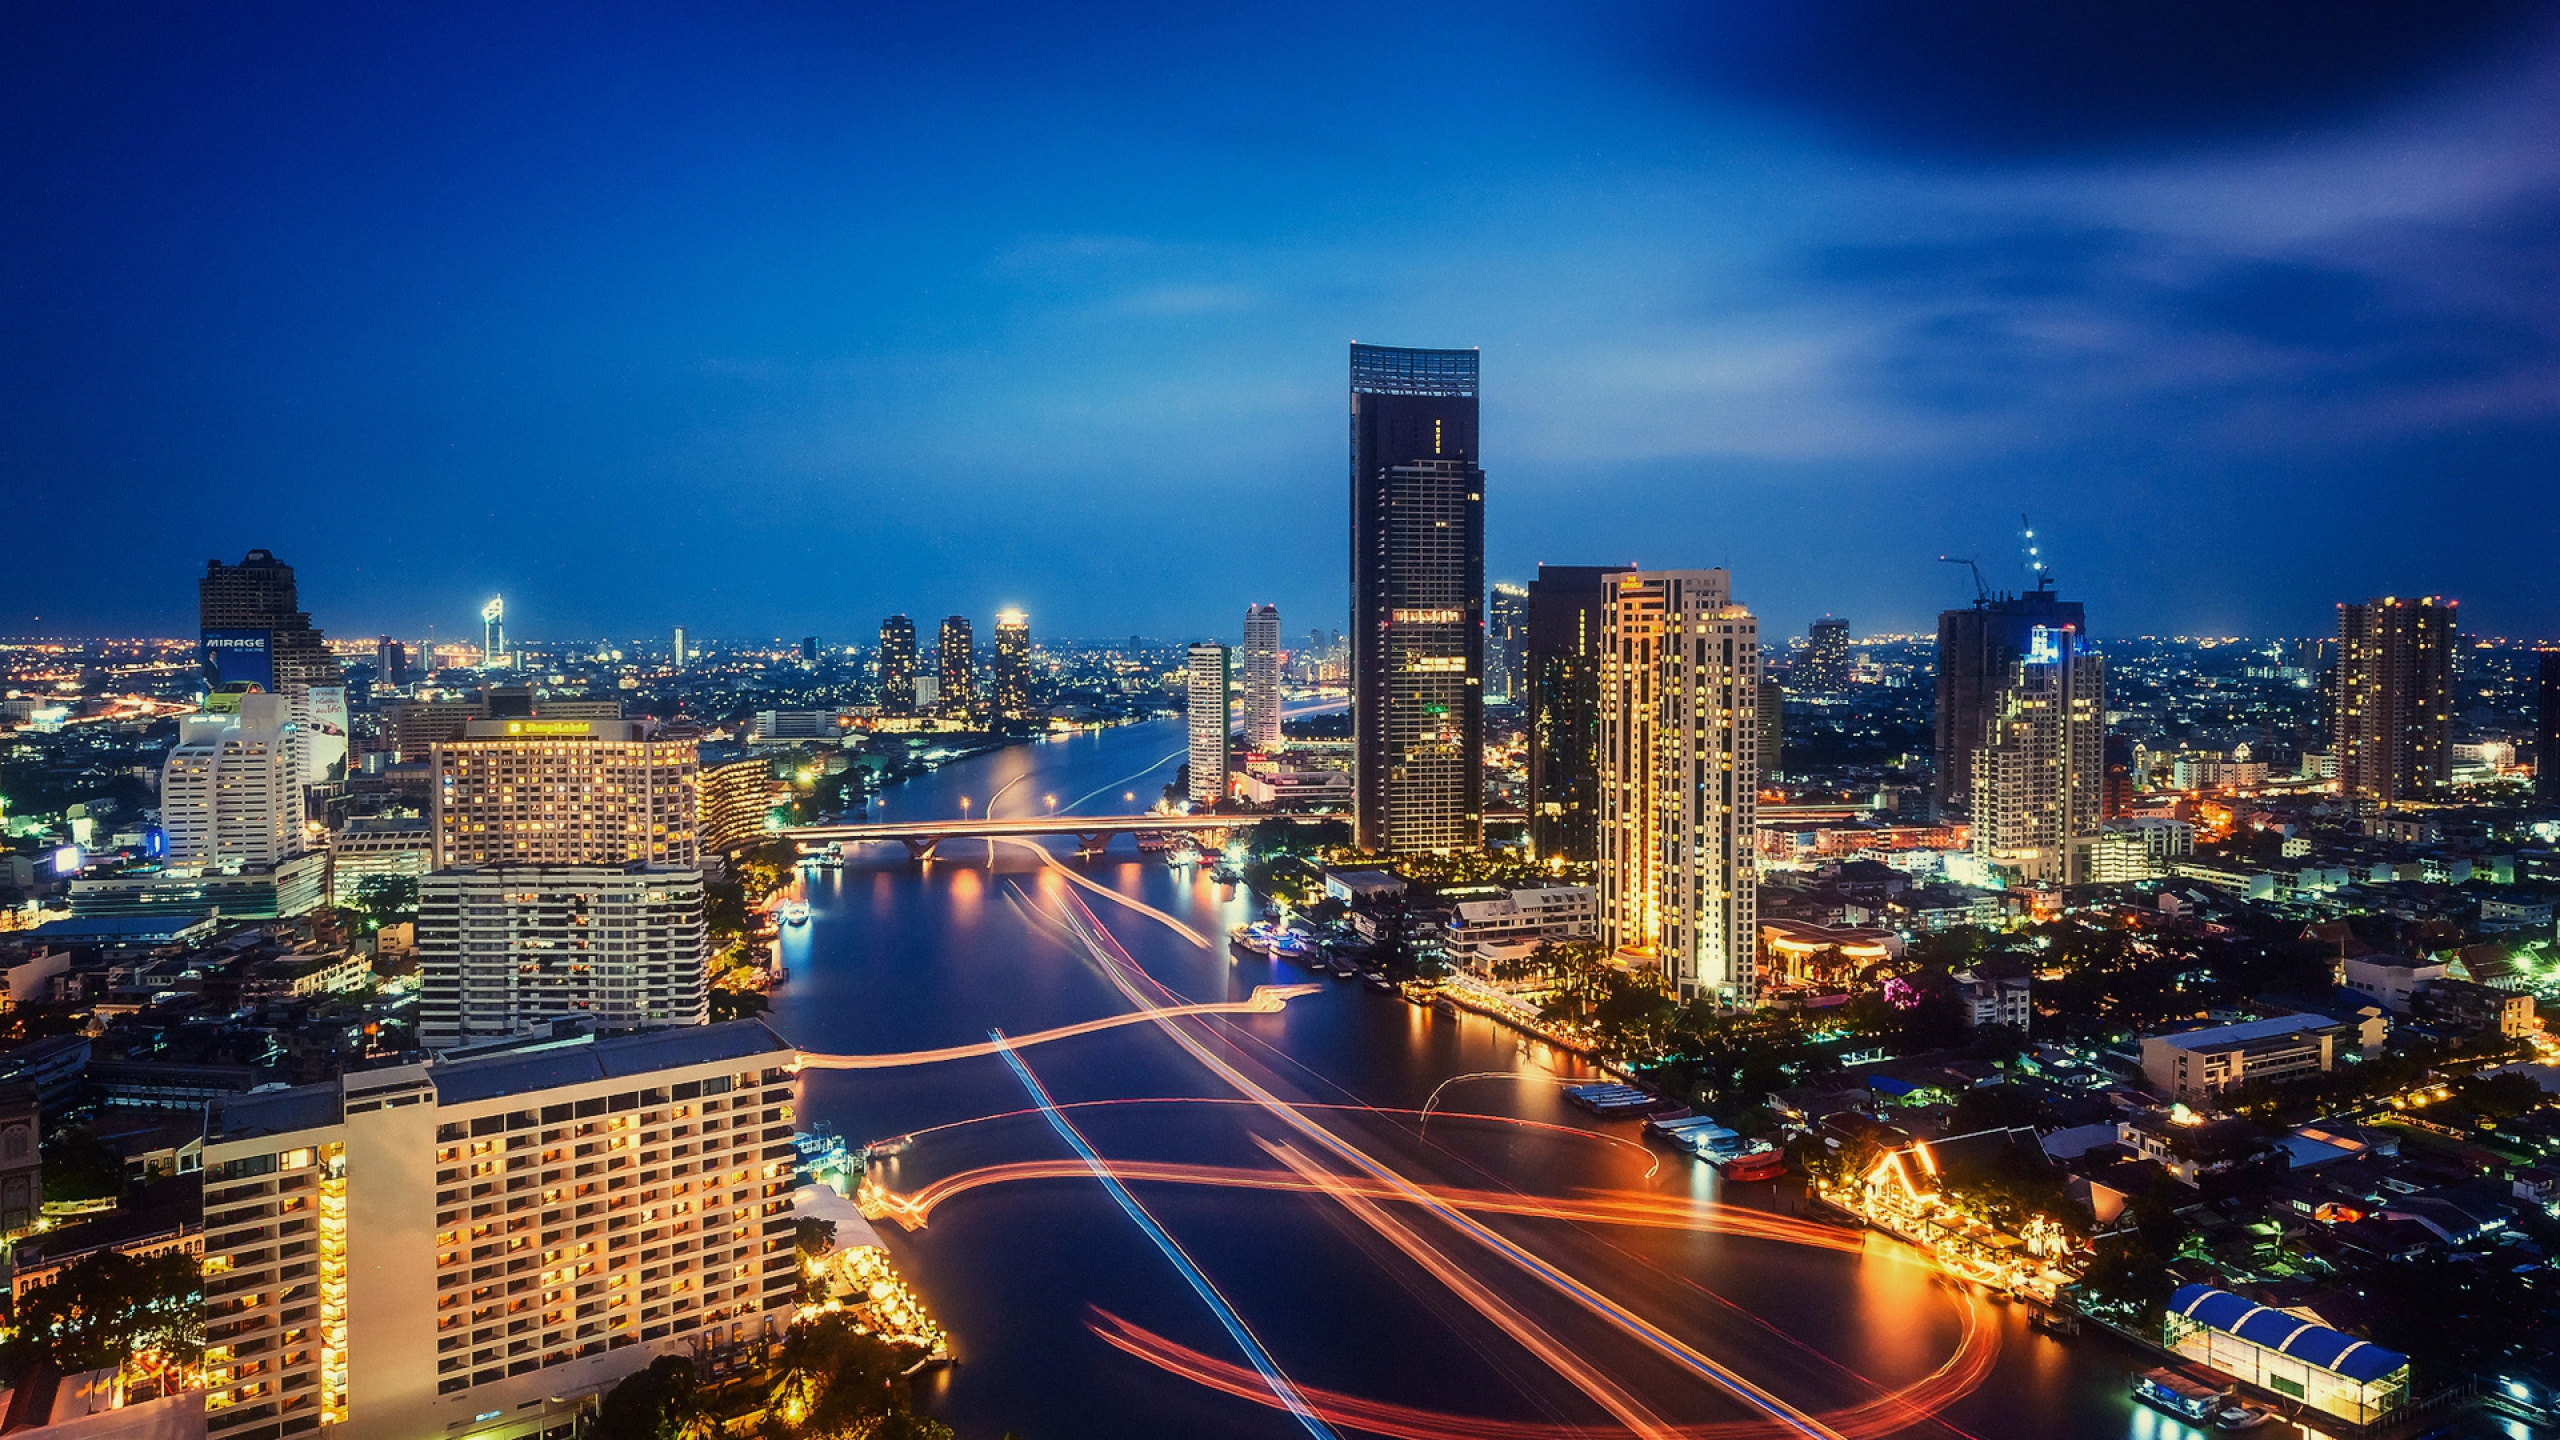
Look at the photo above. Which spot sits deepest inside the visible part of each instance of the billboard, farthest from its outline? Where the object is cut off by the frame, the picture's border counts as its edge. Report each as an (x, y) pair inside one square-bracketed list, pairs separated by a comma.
[(324, 748), (233, 656)]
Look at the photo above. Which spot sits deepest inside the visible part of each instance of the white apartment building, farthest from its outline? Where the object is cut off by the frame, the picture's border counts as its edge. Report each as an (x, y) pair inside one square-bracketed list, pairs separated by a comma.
[(1679, 765), (474, 1250), (504, 949), (2138, 849), (1262, 678), (565, 792), (231, 789), (2196, 1065), (1484, 931), (369, 847), (2040, 774), (1210, 722)]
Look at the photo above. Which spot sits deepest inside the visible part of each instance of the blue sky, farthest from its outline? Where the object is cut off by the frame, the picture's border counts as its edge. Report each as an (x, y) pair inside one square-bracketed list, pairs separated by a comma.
[(774, 320)]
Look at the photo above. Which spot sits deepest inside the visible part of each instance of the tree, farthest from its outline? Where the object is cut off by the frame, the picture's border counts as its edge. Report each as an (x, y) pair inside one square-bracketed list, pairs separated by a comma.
[(663, 1402), (80, 1166), (106, 1308), (387, 899), (833, 1379)]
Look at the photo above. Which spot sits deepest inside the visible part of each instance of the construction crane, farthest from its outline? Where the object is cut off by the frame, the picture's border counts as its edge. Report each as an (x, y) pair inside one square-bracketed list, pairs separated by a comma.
[(1981, 591), (2035, 556)]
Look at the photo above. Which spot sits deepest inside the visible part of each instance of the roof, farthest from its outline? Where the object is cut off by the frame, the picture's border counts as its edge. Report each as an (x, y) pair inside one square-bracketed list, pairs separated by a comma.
[(2246, 1031), (465, 1081), (2287, 1334), (273, 1112), (125, 929)]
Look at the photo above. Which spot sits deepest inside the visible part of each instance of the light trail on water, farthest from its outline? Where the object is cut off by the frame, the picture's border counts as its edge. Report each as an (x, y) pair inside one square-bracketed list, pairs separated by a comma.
[(1265, 1000), (1279, 1386), (1119, 968)]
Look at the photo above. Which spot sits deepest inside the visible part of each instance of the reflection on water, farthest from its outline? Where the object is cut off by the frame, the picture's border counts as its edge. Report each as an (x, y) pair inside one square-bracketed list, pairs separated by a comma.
[(899, 956)]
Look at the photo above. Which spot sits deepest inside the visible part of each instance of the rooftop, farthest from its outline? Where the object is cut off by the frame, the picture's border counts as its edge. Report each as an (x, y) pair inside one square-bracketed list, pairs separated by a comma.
[(2246, 1031), (2287, 1334)]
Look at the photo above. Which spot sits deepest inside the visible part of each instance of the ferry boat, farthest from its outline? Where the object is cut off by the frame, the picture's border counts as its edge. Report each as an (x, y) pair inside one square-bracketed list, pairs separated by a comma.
[(1764, 1163), (2178, 1395), (795, 912)]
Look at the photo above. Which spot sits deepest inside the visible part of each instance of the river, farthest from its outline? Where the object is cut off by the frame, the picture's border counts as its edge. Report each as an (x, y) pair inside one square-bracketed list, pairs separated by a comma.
[(1484, 1322)]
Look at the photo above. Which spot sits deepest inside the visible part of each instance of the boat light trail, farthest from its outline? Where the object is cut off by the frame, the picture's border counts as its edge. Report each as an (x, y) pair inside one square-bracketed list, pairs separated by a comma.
[(1608, 1394), (1281, 1387), (1265, 1000), (1117, 965)]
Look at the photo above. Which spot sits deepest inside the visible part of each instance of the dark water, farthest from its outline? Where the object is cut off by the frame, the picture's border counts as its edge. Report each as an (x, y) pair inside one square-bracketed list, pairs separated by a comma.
[(899, 957)]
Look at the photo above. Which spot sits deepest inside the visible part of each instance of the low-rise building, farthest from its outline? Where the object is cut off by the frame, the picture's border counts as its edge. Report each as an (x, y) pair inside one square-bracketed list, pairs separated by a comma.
[(1996, 995), (2287, 1353), (1295, 789), (2389, 980), (2196, 1065), (2474, 1009), (1484, 931)]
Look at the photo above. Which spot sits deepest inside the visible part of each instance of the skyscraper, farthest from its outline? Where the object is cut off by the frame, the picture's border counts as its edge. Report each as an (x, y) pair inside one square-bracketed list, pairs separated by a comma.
[(1262, 678), (493, 631), (2039, 775), (1561, 690), (253, 628), (1977, 648), (1826, 657), (897, 664), (1679, 772), (956, 652), (566, 792), (231, 789), (1209, 721), (1417, 600), (2546, 734), (2394, 703), (1506, 636), (505, 949), (809, 649), (1773, 728), (680, 647), (1013, 665)]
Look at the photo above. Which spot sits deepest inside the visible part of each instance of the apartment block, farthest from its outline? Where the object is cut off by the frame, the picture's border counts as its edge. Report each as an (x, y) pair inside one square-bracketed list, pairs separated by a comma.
[(475, 1249)]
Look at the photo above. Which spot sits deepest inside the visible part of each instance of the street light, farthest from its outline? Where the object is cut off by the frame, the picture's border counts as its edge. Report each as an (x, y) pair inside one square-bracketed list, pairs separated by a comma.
[(964, 807)]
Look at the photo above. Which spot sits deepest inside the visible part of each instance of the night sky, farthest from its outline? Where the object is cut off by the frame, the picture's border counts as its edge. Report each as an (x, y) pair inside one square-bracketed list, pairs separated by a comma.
[(768, 320)]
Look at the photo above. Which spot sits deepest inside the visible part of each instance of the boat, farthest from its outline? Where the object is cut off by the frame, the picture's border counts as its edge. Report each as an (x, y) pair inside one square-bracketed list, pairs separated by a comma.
[(1445, 1006), (2241, 1415), (2178, 1395), (795, 912), (2056, 1323), (1610, 1099), (1181, 855), (1766, 1163), (1381, 984)]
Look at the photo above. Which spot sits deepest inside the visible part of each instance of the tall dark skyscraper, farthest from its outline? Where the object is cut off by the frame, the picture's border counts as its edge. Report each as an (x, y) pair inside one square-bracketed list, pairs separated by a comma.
[(252, 628), (1417, 600), (898, 664), (1825, 670), (1013, 665), (1977, 650), (1506, 637), (1559, 691), (2546, 733), (2394, 701), (957, 652)]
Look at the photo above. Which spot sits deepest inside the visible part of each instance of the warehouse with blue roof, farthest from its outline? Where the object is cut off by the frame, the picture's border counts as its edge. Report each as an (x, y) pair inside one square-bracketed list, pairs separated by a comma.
[(2287, 1354)]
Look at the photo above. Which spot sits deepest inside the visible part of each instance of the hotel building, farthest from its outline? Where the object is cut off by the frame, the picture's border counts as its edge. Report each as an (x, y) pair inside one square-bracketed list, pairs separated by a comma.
[(475, 1249), (504, 949), (1210, 721), (565, 792)]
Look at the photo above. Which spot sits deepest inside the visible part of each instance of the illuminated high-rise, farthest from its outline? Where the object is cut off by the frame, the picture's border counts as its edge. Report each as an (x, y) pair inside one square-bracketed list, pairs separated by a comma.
[(1209, 720), (2039, 775), (2394, 702), (956, 652), (680, 652), (1262, 678), (1417, 600), (506, 949), (1977, 649), (566, 792), (231, 788), (898, 664), (1679, 772), (1013, 665), (493, 631), (1506, 642), (1826, 657)]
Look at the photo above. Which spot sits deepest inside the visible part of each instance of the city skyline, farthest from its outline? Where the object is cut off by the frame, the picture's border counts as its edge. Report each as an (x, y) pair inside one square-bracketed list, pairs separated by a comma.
[(1816, 336)]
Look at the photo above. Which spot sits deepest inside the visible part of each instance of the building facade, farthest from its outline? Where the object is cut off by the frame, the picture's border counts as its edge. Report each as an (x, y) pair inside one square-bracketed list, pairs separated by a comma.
[(956, 654), (1561, 695), (1207, 715), (2394, 701), (505, 949), (477, 1249), (1679, 768), (231, 789), (1417, 600), (2039, 773), (738, 799), (1825, 670), (1012, 687), (897, 664), (258, 598), (1262, 678), (1977, 650), (566, 792)]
